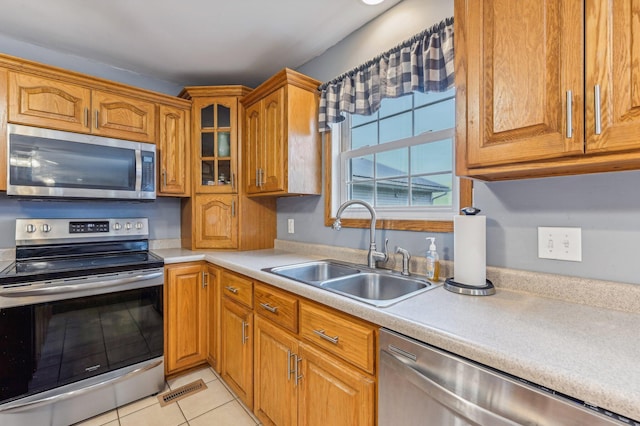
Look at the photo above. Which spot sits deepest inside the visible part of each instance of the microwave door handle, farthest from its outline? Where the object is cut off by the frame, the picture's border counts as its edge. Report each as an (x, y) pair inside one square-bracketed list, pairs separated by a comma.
[(45, 290), (138, 187), (442, 395)]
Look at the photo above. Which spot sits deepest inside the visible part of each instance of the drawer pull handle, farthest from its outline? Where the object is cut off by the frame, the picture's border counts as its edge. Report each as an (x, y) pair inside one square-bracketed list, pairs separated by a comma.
[(232, 289), (272, 309), (333, 340)]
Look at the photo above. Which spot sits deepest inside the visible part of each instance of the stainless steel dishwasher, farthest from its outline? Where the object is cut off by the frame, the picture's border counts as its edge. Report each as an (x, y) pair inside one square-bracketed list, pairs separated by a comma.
[(422, 385)]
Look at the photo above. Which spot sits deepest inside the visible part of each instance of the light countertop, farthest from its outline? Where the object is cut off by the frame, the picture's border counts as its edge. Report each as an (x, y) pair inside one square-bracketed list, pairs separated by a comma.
[(587, 352)]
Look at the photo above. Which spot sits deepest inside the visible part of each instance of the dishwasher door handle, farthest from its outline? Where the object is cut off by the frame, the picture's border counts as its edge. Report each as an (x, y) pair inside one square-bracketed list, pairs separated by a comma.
[(442, 395)]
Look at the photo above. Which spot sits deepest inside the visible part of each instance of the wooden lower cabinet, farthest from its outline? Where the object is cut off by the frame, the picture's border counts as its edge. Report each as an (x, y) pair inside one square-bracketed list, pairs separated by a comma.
[(185, 307), (275, 389), (332, 392), (296, 383), (212, 275), (237, 349)]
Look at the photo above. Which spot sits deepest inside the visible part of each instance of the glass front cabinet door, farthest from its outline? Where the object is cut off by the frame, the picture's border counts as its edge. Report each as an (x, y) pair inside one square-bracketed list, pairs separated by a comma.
[(216, 144)]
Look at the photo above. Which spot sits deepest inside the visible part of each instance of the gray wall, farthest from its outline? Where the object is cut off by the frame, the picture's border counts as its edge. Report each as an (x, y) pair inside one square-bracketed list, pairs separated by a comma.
[(605, 206), (163, 214)]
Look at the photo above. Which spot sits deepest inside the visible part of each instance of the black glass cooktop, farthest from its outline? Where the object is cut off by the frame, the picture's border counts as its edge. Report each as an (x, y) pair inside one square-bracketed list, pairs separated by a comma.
[(59, 262)]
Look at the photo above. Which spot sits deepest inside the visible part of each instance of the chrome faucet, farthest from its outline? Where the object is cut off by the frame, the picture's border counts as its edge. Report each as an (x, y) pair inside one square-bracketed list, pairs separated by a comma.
[(373, 255), (406, 257)]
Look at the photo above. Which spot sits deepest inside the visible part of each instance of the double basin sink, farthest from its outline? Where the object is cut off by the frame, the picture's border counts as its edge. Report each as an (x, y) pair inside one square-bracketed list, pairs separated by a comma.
[(378, 287)]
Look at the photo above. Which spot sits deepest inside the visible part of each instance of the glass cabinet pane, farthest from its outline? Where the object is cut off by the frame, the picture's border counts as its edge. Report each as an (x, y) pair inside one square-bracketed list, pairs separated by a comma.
[(224, 172), (207, 145), (224, 147), (224, 116), (206, 116), (208, 173)]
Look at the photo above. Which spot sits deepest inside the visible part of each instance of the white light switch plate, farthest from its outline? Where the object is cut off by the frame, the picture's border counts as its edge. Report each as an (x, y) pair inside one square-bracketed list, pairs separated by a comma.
[(290, 226), (560, 243)]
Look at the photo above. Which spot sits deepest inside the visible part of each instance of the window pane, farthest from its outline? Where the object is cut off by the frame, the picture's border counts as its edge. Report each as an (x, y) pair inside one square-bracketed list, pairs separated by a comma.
[(432, 190), (435, 117), (357, 120), (361, 168), (361, 191), (396, 127), (392, 192), (390, 106), (364, 135), (421, 99), (432, 157), (392, 163)]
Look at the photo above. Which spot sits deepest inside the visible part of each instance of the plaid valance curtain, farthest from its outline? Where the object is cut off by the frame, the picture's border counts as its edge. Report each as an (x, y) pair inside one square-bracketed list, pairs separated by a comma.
[(423, 63)]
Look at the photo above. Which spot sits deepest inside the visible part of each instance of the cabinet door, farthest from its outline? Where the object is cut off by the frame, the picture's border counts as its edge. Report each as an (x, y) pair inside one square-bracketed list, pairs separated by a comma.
[(275, 146), (215, 133), (254, 150), (613, 70), (216, 222), (516, 65), (44, 102), (122, 117), (212, 277), (173, 151), (275, 390), (332, 393), (186, 312), (237, 349)]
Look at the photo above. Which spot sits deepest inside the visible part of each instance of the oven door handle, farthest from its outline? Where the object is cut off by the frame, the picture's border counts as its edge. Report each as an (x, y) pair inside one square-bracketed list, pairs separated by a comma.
[(47, 289), (17, 407)]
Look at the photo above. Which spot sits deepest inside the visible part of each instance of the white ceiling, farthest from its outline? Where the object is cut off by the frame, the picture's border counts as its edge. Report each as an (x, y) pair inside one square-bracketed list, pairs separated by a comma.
[(189, 42)]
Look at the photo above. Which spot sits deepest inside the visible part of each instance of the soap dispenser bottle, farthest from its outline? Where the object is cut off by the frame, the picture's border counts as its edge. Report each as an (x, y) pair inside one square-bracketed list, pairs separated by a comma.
[(433, 261)]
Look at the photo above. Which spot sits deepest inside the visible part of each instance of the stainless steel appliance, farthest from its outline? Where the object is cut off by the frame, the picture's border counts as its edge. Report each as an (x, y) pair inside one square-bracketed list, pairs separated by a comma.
[(51, 163), (422, 385), (81, 320)]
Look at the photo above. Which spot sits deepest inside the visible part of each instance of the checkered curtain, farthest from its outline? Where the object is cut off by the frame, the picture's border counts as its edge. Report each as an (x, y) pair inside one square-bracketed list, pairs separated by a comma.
[(423, 63)]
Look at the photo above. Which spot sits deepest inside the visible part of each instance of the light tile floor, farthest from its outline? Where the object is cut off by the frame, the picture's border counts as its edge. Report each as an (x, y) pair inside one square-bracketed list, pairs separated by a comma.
[(216, 405)]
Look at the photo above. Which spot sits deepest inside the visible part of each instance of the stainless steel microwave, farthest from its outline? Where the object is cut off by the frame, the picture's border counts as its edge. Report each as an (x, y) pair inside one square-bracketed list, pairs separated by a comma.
[(52, 163)]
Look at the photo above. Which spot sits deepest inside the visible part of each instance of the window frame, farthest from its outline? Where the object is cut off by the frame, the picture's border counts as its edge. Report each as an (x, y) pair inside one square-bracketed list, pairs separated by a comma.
[(465, 194)]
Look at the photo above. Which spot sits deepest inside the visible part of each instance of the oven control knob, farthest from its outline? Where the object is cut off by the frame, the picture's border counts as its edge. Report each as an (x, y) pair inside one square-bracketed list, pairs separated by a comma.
[(31, 228), (46, 227), (117, 226), (127, 226), (139, 225)]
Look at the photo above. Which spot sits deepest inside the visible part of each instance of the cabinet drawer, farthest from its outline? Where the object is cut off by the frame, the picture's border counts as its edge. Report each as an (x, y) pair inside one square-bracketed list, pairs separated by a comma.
[(344, 336), (237, 288), (277, 306)]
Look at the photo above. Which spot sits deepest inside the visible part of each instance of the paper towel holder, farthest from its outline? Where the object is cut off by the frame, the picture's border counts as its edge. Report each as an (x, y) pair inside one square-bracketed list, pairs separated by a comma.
[(487, 290)]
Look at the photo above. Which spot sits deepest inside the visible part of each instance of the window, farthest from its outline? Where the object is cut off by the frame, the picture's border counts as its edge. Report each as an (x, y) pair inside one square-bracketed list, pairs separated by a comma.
[(400, 160)]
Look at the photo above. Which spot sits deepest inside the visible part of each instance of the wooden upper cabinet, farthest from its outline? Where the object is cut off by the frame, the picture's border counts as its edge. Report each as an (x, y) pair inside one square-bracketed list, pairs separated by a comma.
[(282, 143), (521, 61), (46, 102), (546, 87), (613, 69), (123, 117), (173, 151)]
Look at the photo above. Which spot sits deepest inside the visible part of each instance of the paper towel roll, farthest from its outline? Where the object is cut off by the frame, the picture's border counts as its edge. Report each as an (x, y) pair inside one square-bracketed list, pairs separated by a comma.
[(470, 250)]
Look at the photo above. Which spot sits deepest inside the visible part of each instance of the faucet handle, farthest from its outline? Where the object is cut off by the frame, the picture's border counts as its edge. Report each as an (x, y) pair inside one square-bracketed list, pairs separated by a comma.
[(386, 249)]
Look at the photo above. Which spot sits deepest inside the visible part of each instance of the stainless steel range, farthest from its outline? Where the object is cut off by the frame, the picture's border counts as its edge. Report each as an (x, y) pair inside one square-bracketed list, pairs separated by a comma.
[(81, 320)]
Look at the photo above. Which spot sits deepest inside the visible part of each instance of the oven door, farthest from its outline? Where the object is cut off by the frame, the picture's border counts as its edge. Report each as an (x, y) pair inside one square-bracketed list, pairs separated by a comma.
[(52, 341)]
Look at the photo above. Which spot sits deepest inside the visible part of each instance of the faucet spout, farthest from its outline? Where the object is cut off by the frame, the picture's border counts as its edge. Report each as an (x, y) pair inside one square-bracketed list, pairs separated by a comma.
[(373, 254)]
